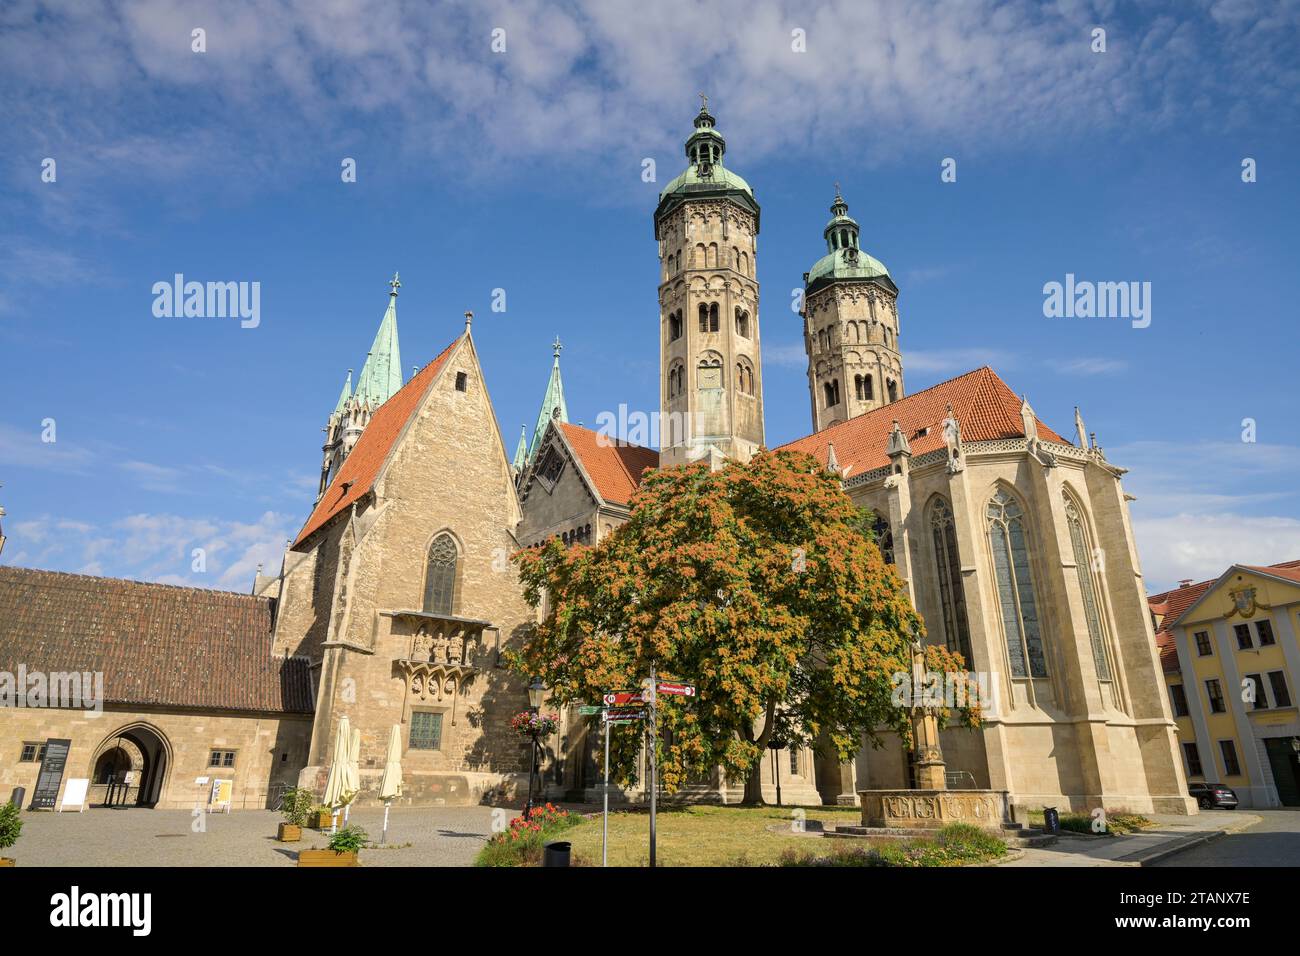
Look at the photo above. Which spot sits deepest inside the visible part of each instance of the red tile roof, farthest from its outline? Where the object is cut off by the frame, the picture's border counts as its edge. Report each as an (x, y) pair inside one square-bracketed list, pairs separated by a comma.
[(985, 407), (362, 466), (615, 468), (1173, 604), (155, 644)]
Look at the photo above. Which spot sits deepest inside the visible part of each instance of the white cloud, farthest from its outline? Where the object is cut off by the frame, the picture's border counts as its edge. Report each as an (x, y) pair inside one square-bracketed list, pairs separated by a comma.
[(155, 547), (1201, 546), (950, 361), (1091, 366)]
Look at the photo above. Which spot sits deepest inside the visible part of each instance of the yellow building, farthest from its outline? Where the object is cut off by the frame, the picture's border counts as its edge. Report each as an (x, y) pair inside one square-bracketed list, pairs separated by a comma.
[(1232, 664)]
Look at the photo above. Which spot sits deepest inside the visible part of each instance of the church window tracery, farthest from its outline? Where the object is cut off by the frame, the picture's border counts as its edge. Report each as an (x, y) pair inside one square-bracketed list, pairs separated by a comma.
[(440, 576), (1084, 566), (1015, 586), (952, 597)]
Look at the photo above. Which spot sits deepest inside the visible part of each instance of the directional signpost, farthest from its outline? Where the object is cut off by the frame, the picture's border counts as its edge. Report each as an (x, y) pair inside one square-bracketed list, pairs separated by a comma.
[(626, 707)]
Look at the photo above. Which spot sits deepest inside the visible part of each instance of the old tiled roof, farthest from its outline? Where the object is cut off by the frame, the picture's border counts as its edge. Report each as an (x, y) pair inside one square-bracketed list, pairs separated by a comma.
[(156, 644), (985, 407), (1171, 605), (362, 466), (614, 468)]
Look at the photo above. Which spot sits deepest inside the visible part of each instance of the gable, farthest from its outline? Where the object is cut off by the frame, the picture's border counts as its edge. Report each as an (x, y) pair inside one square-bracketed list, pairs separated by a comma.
[(1273, 587), (362, 468)]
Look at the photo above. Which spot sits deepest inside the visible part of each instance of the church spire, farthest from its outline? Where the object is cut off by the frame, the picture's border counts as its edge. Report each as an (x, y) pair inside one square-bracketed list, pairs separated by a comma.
[(381, 376), (521, 450), (344, 396), (553, 406)]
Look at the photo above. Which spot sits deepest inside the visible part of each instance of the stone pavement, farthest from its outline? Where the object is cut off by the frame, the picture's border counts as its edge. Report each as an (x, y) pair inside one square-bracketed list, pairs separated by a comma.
[(439, 836), (1173, 834)]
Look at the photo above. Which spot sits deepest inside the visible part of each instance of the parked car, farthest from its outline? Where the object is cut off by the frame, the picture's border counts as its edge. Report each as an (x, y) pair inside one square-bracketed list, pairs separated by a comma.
[(1213, 796)]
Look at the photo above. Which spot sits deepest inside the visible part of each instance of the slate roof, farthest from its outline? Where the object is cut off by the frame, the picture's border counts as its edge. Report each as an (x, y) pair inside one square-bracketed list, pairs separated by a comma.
[(362, 466), (156, 644), (985, 407)]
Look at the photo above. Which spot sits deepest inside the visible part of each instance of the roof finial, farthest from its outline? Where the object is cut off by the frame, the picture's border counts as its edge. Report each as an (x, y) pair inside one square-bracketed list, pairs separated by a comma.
[(556, 346), (469, 318), (837, 190), (394, 283), (704, 102)]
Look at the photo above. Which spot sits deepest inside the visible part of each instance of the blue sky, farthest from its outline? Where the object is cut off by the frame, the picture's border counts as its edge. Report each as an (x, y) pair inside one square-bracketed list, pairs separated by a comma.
[(521, 170)]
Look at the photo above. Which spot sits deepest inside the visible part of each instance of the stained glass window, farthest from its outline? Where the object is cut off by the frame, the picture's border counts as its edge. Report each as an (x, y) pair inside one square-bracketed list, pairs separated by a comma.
[(1015, 584), (951, 596), (440, 576), (1087, 585)]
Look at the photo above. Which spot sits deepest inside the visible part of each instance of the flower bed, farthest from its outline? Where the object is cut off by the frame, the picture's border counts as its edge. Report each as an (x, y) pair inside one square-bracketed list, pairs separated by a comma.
[(957, 844), (521, 843)]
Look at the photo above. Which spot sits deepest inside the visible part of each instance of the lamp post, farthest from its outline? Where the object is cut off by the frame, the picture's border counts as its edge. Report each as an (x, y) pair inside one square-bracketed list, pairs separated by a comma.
[(536, 697)]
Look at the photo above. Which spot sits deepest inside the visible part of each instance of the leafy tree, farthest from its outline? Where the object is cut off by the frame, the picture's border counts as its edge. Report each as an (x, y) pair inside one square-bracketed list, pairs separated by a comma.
[(760, 584)]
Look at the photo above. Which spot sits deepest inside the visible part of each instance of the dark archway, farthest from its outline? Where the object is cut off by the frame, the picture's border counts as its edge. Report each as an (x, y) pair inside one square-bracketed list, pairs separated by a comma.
[(129, 768)]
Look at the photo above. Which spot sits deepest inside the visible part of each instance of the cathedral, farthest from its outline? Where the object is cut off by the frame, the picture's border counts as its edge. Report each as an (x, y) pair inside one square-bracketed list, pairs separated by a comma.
[(397, 597)]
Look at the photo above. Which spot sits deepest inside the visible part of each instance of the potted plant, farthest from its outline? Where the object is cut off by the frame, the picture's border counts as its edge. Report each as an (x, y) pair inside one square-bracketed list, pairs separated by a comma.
[(342, 849), (321, 817), (10, 826), (295, 806)]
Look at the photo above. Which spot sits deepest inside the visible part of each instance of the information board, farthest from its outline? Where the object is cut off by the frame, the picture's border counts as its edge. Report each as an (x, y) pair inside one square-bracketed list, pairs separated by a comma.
[(51, 775)]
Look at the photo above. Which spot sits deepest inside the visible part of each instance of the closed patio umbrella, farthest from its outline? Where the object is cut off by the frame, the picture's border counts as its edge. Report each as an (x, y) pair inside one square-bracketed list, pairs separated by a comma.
[(337, 791), (390, 787), (352, 774)]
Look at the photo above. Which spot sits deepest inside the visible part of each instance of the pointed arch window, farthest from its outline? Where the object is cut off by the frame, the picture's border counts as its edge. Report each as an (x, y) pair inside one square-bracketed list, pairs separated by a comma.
[(952, 597), (440, 576), (1015, 584), (1088, 587), (884, 535)]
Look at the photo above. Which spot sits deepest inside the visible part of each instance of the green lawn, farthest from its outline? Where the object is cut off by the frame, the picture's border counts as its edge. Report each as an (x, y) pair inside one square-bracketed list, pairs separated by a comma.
[(703, 835)]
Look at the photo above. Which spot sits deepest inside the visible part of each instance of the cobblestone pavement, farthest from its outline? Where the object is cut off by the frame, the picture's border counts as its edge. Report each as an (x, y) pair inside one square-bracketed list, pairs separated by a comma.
[(1135, 849), (438, 836), (1273, 841)]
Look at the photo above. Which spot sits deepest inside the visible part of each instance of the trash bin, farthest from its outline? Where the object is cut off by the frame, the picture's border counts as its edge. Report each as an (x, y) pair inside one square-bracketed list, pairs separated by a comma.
[(557, 853), (1051, 821), (17, 798)]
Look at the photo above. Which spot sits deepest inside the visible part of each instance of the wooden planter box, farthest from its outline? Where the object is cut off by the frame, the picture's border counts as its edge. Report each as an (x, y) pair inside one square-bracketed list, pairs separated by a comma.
[(327, 858), (320, 821), (8, 861), (289, 833)]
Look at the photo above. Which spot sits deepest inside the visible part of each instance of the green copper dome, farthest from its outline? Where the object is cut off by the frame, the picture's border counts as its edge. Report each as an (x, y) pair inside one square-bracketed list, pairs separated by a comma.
[(706, 176), (844, 257)]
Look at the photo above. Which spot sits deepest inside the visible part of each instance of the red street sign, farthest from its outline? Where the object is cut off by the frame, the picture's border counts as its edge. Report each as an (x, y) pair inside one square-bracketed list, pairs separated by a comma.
[(623, 697), (679, 690)]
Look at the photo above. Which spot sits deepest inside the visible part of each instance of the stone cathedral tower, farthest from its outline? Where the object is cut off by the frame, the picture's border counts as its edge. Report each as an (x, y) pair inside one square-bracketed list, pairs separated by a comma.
[(711, 385), (850, 327)]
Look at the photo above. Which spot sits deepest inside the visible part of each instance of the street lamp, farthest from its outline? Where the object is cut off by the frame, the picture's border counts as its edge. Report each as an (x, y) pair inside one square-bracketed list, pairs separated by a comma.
[(536, 697)]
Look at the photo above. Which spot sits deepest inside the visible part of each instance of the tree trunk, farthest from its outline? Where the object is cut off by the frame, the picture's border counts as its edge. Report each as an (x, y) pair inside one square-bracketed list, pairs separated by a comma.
[(754, 785)]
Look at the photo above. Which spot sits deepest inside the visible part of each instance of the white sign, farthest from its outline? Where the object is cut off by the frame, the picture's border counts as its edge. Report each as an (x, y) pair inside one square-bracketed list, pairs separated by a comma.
[(200, 781), (74, 794)]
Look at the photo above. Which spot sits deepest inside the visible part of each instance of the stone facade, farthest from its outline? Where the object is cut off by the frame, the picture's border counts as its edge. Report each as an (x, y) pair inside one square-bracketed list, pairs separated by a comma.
[(357, 602), (168, 750)]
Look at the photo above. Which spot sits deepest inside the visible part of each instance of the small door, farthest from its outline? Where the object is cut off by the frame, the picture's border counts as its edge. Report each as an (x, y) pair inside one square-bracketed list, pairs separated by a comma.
[(1286, 770)]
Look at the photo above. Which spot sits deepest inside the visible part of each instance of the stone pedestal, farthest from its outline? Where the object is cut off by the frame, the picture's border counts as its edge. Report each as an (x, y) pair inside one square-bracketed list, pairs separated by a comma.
[(933, 808)]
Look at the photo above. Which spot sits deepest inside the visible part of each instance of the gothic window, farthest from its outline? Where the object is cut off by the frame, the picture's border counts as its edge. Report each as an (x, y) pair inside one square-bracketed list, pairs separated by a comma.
[(440, 576), (713, 316), (951, 596), (1088, 587), (675, 326), (704, 317), (884, 535), (1015, 584)]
